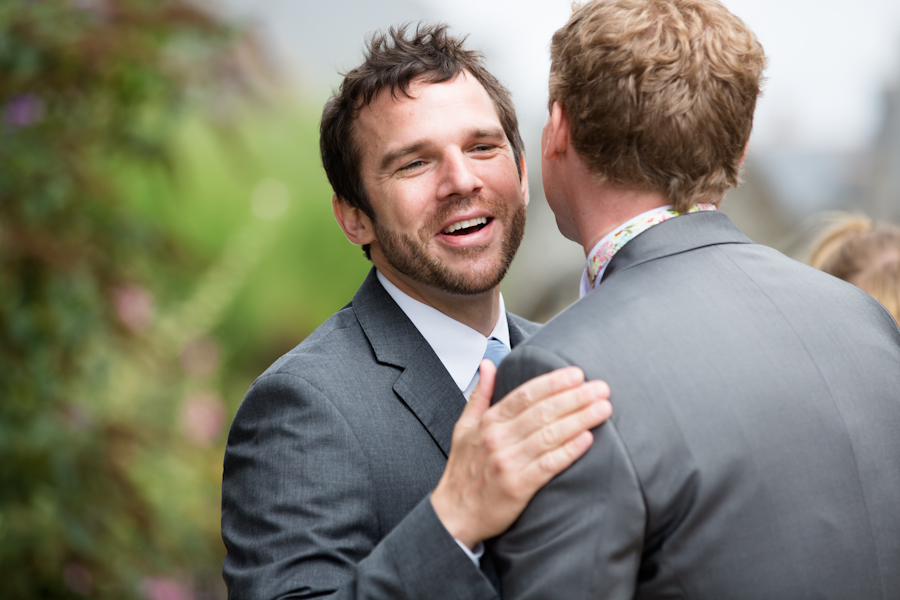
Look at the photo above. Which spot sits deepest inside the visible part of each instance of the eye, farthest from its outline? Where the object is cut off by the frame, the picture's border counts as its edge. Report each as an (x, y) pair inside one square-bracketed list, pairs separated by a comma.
[(484, 147), (413, 165)]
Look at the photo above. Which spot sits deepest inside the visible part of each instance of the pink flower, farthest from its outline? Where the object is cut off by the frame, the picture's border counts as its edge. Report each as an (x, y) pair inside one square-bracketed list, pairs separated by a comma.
[(78, 579), (24, 110), (200, 356), (135, 307), (77, 416), (202, 418), (164, 588)]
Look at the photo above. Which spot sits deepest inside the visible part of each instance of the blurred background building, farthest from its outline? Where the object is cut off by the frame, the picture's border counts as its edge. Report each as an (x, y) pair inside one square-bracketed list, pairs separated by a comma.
[(166, 233)]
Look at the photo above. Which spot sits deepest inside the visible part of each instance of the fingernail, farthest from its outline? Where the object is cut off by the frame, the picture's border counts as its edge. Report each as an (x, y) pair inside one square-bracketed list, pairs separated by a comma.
[(600, 409), (599, 389), (573, 376)]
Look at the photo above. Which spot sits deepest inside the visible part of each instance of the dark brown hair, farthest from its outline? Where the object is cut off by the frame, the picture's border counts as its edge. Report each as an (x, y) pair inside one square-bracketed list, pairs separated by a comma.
[(392, 61), (659, 94)]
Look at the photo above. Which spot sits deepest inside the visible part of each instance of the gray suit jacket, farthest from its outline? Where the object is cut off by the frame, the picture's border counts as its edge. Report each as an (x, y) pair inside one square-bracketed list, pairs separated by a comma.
[(754, 449), (330, 461)]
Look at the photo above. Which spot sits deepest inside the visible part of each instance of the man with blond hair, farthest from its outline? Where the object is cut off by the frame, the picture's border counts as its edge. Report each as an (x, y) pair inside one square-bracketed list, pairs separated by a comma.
[(754, 450)]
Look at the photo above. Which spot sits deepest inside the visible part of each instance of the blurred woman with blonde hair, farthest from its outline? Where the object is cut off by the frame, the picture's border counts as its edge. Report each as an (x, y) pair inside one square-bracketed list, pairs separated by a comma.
[(855, 249)]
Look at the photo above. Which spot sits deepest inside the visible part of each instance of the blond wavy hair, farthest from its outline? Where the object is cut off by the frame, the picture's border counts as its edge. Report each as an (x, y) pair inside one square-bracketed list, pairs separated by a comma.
[(865, 254), (659, 94)]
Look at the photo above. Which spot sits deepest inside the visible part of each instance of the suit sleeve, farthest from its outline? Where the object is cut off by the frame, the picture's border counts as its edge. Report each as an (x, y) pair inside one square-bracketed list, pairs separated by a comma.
[(581, 537), (298, 518)]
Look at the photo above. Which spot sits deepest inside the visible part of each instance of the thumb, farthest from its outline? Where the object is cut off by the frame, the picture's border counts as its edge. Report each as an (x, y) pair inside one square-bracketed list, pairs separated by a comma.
[(481, 397)]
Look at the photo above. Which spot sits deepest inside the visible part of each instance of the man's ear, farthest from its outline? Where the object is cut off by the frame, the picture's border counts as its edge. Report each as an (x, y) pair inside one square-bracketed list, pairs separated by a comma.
[(557, 138), (744, 155), (524, 182), (355, 224)]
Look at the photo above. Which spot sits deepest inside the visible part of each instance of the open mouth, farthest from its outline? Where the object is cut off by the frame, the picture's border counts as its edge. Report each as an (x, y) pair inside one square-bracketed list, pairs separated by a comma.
[(467, 227)]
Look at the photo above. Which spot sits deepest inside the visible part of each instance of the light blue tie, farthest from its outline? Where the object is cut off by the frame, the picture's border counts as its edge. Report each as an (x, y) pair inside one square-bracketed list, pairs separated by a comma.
[(496, 351)]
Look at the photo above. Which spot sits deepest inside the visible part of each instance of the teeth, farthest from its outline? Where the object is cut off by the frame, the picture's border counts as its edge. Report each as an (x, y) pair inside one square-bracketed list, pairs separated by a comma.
[(465, 224)]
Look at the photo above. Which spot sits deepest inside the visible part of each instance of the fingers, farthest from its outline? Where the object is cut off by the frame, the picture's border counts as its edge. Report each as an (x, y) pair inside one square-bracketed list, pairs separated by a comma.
[(500, 456), (485, 388), (558, 433), (531, 392), (562, 447), (546, 413), (558, 460), (554, 445)]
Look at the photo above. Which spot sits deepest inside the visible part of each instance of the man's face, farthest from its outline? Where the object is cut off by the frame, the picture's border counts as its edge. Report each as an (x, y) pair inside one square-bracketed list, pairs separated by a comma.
[(441, 177)]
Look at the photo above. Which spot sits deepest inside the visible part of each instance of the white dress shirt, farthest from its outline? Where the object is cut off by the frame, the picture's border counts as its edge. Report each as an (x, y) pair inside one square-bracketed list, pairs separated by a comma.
[(459, 348)]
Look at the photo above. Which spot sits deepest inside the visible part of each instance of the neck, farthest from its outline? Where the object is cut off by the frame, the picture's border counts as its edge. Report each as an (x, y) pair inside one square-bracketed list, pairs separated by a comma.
[(594, 208), (478, 311)]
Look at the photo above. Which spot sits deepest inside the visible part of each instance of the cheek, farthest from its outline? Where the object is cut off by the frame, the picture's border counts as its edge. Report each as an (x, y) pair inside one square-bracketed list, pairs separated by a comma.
[(503, 180), (403, 213)]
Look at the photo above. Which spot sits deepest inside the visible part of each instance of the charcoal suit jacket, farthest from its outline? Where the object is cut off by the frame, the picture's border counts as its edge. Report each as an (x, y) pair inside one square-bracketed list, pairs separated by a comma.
[(754, 448), (330, 461)]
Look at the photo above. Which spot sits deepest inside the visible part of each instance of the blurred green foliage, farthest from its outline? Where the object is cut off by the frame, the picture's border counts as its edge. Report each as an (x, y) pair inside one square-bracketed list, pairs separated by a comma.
[(162, 239)]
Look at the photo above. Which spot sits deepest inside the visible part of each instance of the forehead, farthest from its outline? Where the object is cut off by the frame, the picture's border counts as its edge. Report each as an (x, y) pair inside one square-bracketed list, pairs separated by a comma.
[(437, 113)]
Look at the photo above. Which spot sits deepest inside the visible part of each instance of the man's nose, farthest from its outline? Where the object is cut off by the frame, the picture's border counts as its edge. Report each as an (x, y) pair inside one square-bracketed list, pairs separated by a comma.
[(458, 176)]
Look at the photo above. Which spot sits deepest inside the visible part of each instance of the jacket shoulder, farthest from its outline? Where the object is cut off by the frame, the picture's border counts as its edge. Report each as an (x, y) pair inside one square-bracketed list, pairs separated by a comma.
[(339, 338)]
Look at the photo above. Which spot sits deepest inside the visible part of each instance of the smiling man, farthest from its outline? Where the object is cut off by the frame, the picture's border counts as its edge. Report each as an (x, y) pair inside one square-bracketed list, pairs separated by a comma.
[(449, 190), (344, 474)]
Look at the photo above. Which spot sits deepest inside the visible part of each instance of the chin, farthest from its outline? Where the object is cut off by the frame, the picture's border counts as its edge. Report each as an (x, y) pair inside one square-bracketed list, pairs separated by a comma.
[(471, 280)]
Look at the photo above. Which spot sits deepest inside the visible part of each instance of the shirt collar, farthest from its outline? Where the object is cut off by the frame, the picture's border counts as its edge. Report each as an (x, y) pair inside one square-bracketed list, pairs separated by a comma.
[(459, 347), (600, 255)]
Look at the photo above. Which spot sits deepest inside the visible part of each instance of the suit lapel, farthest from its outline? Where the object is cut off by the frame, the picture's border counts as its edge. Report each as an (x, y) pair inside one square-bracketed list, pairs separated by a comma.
[(520, 329), (424, 385), (681, 234), (430, 392)]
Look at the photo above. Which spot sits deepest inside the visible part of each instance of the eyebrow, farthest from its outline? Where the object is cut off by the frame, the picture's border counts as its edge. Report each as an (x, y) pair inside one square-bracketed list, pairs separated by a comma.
[(390, 157), (418, 145)]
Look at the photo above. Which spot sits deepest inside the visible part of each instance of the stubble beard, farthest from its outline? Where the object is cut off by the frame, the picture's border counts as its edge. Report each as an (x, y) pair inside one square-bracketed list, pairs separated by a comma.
[(408, 252)]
